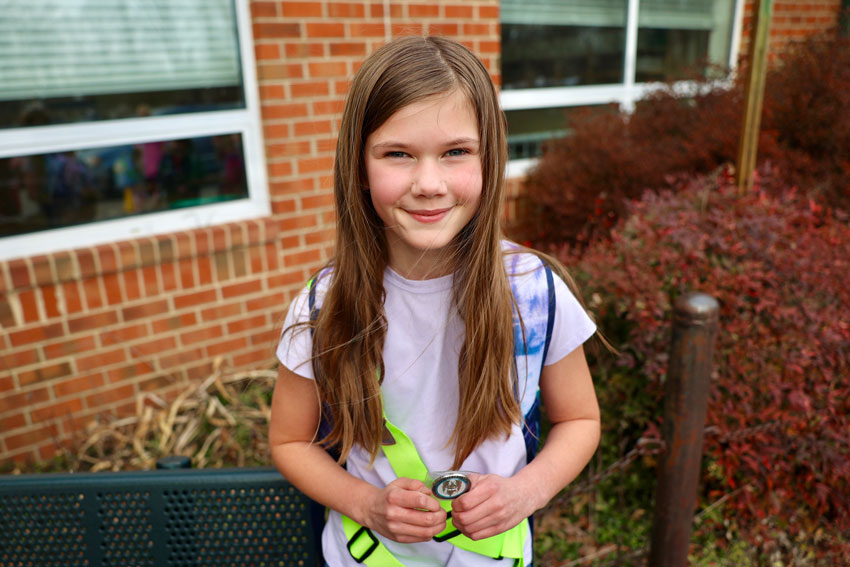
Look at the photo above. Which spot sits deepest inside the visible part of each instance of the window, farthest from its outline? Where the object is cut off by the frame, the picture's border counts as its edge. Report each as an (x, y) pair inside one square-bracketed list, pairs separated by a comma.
[(563, 54), (121, 118)]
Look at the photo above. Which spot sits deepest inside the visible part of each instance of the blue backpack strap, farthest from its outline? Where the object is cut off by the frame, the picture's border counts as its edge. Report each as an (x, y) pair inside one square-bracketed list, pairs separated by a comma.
[(325, 423), (531, 420)]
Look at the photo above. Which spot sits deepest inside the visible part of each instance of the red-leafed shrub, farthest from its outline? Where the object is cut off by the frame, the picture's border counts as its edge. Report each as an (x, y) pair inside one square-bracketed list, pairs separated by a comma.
[(581, 185), (778, 437)]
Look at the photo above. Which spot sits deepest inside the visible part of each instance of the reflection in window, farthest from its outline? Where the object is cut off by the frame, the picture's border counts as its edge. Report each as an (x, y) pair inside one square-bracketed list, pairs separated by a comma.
[(547, 43), (40, 192), (83, 60), (683, 39), (529, 130)]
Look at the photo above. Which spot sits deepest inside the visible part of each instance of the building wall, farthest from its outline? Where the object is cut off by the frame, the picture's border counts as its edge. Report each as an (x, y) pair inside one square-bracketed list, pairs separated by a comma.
[(89, 332)]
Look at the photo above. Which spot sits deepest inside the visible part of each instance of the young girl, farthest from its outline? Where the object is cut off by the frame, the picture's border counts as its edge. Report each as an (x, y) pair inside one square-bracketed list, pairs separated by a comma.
[(421, 346)]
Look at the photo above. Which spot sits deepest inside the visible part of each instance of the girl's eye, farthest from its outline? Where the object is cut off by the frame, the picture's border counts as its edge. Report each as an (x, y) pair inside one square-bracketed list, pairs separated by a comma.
[(457, 152), (395, 154)]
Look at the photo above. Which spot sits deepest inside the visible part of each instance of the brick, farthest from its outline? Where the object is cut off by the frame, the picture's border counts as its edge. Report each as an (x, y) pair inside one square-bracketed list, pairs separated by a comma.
[(132, 289), (221, 264), (29, 305), (219, 239), (165, 249), (324, 69), (144, 310), (348, 49), (57, 411), (450, 29), (128, 255), (128, 372), (14, 421), (263, 9), (238, 259), (86, 261), (92, 293), (313, 128), (200, 335), (219, 312), (77, 385), (100, 360), (266, 52), (16, 359), (488, 12), (154, 347), (23, 399), (112, 289), (276, 30), (317, 201), (301, 9), (254, 358), (288, 149), (247, 324), (366, 29), (69, 347), (346, 10), (90, 322), (186, 270), (331, 30), (284, 280), (7, 316), (297, 223), (124, 334), (423, 10), (19, 270), (108, 258), (279, 71), (271, 301), (30, 438), (199, 372), (150, 281), (301, 258), (280, 169), (35, 334), (284, 206), (304, 50), (195, 298), (44, 373), (155, 384), (182, 357), (64, 266), (110, 396), (309, 89), (459, 11), (42, 270), (50, 301), (6, 383), (226, 347), (283, 111), (313, 165), (204, 270)]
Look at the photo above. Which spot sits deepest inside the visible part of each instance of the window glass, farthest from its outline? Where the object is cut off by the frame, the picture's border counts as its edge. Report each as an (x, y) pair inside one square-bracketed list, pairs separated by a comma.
[(547, 43), (529, 130), (54, 190), (683, 39), (85, 60)]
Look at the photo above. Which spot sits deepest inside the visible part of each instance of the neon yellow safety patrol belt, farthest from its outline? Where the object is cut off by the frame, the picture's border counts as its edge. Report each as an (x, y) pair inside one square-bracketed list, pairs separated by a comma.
[(365, 548)]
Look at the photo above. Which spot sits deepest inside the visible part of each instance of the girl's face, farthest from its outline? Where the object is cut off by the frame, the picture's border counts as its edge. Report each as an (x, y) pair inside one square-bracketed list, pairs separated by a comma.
[(423, 168)]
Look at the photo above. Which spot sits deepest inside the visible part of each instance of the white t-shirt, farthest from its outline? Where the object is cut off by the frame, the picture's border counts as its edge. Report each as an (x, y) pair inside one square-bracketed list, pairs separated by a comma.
[(420, 392)]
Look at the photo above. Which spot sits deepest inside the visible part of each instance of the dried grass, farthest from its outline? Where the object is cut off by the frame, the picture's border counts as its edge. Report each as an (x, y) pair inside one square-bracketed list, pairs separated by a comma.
[(222, 422)]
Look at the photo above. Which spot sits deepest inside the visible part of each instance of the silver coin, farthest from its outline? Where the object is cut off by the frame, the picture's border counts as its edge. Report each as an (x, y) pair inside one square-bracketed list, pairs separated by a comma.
[(450, 485)]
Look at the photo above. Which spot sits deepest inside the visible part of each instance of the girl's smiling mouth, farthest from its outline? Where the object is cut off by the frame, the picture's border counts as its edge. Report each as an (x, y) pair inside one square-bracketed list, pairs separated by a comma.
[(429, 216)]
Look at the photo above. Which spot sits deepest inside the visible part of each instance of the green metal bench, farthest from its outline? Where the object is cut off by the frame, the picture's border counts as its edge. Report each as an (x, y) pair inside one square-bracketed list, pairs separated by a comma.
[(161, 518)]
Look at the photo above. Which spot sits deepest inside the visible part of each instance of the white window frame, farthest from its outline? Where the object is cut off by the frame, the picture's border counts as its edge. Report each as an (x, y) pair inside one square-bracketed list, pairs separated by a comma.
[(86, 135), (624, 94)]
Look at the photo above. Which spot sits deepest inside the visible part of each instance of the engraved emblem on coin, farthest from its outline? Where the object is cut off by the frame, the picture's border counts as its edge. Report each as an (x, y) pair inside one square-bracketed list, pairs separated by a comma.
[(450, 485)]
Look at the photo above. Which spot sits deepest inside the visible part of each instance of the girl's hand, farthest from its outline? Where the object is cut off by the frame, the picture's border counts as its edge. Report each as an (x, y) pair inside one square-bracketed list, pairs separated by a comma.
[(405, 511), (493, 505)]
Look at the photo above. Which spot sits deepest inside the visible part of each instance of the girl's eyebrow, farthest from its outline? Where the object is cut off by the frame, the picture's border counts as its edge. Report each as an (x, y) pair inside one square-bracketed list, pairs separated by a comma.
[(402, 145)]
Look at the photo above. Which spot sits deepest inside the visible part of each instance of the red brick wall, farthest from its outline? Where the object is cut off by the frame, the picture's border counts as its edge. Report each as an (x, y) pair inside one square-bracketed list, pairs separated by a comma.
[(793, 20), (87, 332)]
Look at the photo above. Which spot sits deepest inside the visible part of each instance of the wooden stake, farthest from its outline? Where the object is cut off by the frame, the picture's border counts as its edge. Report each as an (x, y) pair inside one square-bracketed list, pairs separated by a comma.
[(753, 95)]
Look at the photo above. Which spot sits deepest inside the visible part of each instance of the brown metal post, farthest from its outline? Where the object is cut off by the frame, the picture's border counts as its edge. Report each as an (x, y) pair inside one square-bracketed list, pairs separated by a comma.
[(695, 320)]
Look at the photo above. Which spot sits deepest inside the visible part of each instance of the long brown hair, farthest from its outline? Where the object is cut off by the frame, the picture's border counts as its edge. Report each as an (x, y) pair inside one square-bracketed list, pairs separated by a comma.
[(350, 328)]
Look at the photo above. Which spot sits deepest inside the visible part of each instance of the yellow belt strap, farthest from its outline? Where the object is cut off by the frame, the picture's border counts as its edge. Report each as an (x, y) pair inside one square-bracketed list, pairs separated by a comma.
[(405, 460)]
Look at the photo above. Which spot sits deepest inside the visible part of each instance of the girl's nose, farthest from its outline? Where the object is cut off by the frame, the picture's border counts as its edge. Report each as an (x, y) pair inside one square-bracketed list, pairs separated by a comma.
[(429, 181)]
